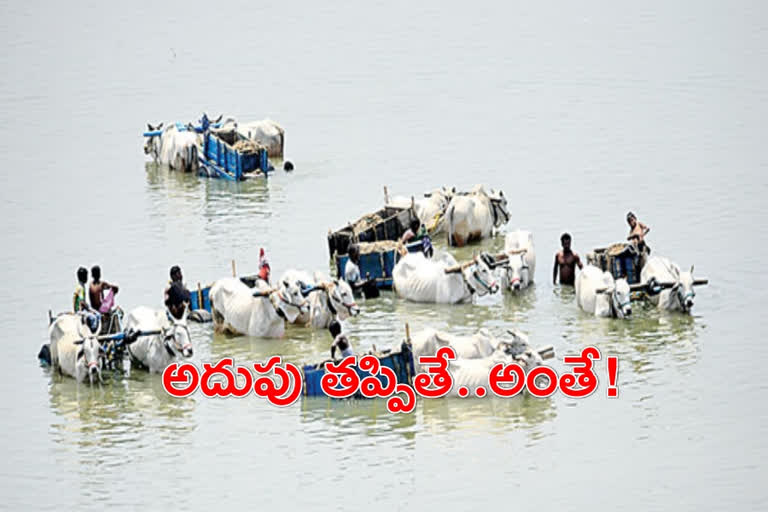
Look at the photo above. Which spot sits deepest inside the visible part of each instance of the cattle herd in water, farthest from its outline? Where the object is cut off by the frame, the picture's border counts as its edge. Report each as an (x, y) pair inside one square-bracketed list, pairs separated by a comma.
[(97, 335)]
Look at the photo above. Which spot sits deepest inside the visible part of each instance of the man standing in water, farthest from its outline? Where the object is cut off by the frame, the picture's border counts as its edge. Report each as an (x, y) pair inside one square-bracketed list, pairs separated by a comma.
[(98, 287), (566, 261), (340, 341), (176, 295)]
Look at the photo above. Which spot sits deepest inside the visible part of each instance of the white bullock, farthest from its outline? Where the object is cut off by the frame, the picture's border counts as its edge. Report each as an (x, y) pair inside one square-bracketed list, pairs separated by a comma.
[(517, 272), (430, 209), (328, 299), (427, 342), (174, 148), (679, 294), (476, 355), (332, 299), (474, 216), (75, 350), (169, 341), (267, 133), (260, 311), (419, 279), (599, 294)]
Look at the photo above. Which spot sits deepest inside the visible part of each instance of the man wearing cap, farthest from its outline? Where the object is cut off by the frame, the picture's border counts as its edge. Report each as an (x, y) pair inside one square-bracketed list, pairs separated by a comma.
[(264, 269)]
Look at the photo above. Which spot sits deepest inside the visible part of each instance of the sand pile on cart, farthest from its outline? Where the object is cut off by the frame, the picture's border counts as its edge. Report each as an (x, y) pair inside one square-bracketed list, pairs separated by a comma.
[(367, 222), (381, 246), (247, 146)]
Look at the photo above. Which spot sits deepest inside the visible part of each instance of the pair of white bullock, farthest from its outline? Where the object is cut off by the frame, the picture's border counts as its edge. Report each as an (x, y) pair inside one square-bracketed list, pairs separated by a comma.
[(178, 148), (466, 217), (477, 354), (441, 280), (598, 293), (298, 299), (76, 351)]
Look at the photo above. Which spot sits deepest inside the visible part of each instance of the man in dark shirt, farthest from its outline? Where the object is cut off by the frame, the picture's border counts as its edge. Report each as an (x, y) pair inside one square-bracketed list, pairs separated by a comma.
[(176, 294)]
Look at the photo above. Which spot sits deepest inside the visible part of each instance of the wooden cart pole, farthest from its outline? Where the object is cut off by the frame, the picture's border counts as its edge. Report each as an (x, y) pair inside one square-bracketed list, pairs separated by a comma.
[(234, 272)]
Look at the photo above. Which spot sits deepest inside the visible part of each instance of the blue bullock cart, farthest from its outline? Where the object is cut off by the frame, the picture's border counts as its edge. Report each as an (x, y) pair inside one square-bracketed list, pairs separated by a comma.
[(376, 261), (401, 362)]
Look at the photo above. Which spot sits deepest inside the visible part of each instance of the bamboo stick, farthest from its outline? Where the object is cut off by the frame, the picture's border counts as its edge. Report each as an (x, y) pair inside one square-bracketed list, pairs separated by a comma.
[(458, 268)]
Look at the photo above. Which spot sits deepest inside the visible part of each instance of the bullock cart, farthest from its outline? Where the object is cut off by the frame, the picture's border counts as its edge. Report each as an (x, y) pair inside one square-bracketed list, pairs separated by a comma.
[(377, 259), (376, 234), (228, 155), (620, 260), (399, 361), (112, 338), (623, 260)]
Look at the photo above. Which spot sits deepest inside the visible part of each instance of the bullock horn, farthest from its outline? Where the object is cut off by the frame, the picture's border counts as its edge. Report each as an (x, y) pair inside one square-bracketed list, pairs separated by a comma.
[(699, 282)]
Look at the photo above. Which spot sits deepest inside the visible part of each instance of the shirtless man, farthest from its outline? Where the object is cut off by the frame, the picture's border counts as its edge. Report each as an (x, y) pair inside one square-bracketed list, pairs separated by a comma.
[(566, 261), (637, 231), (98, 287)]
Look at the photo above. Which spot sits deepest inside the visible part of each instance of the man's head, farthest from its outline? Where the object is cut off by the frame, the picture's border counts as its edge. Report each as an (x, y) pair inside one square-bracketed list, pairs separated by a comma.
[(334, 328), (354, 253), (415, 225), (96, 273), (82, 275), (565, 241), (176, 273), (631, 219)]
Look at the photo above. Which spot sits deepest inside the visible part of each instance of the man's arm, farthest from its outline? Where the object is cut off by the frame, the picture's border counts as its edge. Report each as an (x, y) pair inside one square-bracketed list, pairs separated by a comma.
[(554, 271), (645, 228), (578, 261), (112, 287)]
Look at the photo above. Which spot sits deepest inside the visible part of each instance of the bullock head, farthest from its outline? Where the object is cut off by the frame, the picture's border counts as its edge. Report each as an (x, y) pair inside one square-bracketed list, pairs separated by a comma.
[(479, 275), (290, 300), (517, 270), (176, 338), (441, 197), (90, 354), (152, 144), (342, 300), (498, 207), (619, 298), (683, 290)]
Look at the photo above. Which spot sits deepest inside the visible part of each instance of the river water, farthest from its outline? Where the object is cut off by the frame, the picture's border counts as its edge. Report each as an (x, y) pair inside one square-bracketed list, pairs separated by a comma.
[(579, 112)]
